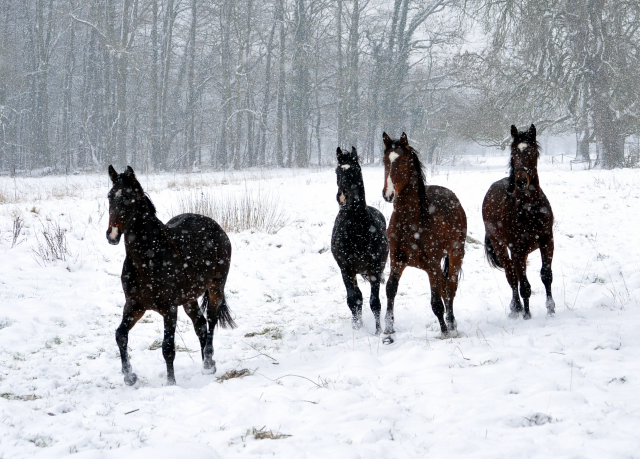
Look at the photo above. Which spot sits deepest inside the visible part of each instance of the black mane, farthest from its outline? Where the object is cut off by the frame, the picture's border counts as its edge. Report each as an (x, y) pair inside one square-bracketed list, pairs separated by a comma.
[(422, 181)]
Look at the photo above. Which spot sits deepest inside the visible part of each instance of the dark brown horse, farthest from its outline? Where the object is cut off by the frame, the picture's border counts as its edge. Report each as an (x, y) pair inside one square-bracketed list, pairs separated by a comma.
[(167, 266), (518, 220), (427, 230)]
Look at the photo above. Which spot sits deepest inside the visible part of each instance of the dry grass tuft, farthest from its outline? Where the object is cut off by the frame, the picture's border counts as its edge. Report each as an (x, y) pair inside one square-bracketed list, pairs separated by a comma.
[(231, 374), (157, 344), (272, 332), (23, 398), (235, 213), (51, 245), (262, 434)]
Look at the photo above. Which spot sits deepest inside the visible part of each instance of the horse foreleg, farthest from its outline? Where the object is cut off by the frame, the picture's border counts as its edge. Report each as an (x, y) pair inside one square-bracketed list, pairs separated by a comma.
[(199, 324), (392, 289), (520, 264), (354, 298), (546, 251), (130, 315), (374, 301), (169, 343)]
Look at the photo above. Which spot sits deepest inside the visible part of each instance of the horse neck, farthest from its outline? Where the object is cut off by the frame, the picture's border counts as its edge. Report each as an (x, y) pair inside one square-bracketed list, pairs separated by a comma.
[(409, 201), (148, 232)]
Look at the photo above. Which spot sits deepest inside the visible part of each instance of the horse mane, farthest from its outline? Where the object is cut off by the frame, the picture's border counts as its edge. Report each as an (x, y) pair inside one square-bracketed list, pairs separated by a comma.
[(149, 204), (422, 180)]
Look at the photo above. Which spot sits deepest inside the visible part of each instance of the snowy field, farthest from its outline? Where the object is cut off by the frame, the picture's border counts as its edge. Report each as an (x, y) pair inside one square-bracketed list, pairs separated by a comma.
[(563, 387)]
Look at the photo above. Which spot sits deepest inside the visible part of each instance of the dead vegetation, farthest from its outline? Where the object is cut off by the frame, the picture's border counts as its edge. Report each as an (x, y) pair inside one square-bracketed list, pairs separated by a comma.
[(23, 398), (51, 244), (232, 374), (271, 332), (157, 344), (263, 433), (18, 226), (247, 210)]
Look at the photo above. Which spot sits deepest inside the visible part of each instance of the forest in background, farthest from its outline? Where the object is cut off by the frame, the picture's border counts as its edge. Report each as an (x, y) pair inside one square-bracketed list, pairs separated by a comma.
[(168, 85)]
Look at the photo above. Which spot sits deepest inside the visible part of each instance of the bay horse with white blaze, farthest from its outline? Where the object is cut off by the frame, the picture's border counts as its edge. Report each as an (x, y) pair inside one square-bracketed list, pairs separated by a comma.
[(359, 239), (427, 230), (167, 266), (518, 220)]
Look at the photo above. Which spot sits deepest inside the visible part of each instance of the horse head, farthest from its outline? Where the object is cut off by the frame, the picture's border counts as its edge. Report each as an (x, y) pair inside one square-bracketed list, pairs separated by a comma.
[(125, 198), (399, 165), (349, 178), (524, 158)]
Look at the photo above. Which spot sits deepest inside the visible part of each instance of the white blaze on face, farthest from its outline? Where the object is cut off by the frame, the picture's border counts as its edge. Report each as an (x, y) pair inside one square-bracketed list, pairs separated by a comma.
[(345, 167), (522, 146), (118, 193), (114, 232), (390, 190)]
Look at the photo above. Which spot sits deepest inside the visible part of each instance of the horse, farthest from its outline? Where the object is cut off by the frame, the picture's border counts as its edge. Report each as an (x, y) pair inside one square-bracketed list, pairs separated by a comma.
[(427, 230), (518, 220), (359, 239), (167, 266)]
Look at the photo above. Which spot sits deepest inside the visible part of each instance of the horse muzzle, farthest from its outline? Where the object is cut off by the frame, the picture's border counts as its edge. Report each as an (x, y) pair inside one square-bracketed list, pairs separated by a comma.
[(523, 180), (390, 197), (113, 235)]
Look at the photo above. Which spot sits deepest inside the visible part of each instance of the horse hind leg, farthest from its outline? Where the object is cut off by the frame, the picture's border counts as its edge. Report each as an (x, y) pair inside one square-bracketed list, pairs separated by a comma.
[(130, 315), (436, 279), (199, 323), (510, 272)]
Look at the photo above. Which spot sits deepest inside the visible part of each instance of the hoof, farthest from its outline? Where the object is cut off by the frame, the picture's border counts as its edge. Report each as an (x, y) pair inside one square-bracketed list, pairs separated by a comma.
[(378, 331), (452, 325), (171, 381), (444, 335), (526, 316), (389, 339), (130, 379), (208, 367), (551, 306), (356, 324), (514, 314)]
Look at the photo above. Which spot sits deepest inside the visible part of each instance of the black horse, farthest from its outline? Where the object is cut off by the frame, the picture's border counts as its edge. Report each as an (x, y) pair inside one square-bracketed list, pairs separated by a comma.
[(167, 266), (359, 240)]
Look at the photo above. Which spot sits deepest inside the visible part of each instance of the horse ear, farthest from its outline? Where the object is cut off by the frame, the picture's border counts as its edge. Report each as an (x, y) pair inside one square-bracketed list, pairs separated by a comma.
[(130, 172), (403, 140), (113, 174), (532, 131), (386, 139), (354, 154), (514, 131)]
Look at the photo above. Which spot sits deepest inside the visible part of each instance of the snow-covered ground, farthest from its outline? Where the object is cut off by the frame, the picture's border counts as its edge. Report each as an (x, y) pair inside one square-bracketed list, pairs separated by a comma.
[(560, 387)]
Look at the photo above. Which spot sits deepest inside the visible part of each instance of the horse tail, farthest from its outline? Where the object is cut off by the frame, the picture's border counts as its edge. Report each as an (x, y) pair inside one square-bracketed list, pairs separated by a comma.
[(223, 312), (492, 258), (445, 270), (224, 315)]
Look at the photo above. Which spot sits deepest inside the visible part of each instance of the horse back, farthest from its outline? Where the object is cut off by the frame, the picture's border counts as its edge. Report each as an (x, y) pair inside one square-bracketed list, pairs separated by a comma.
[(444, 205), (200, 240)]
